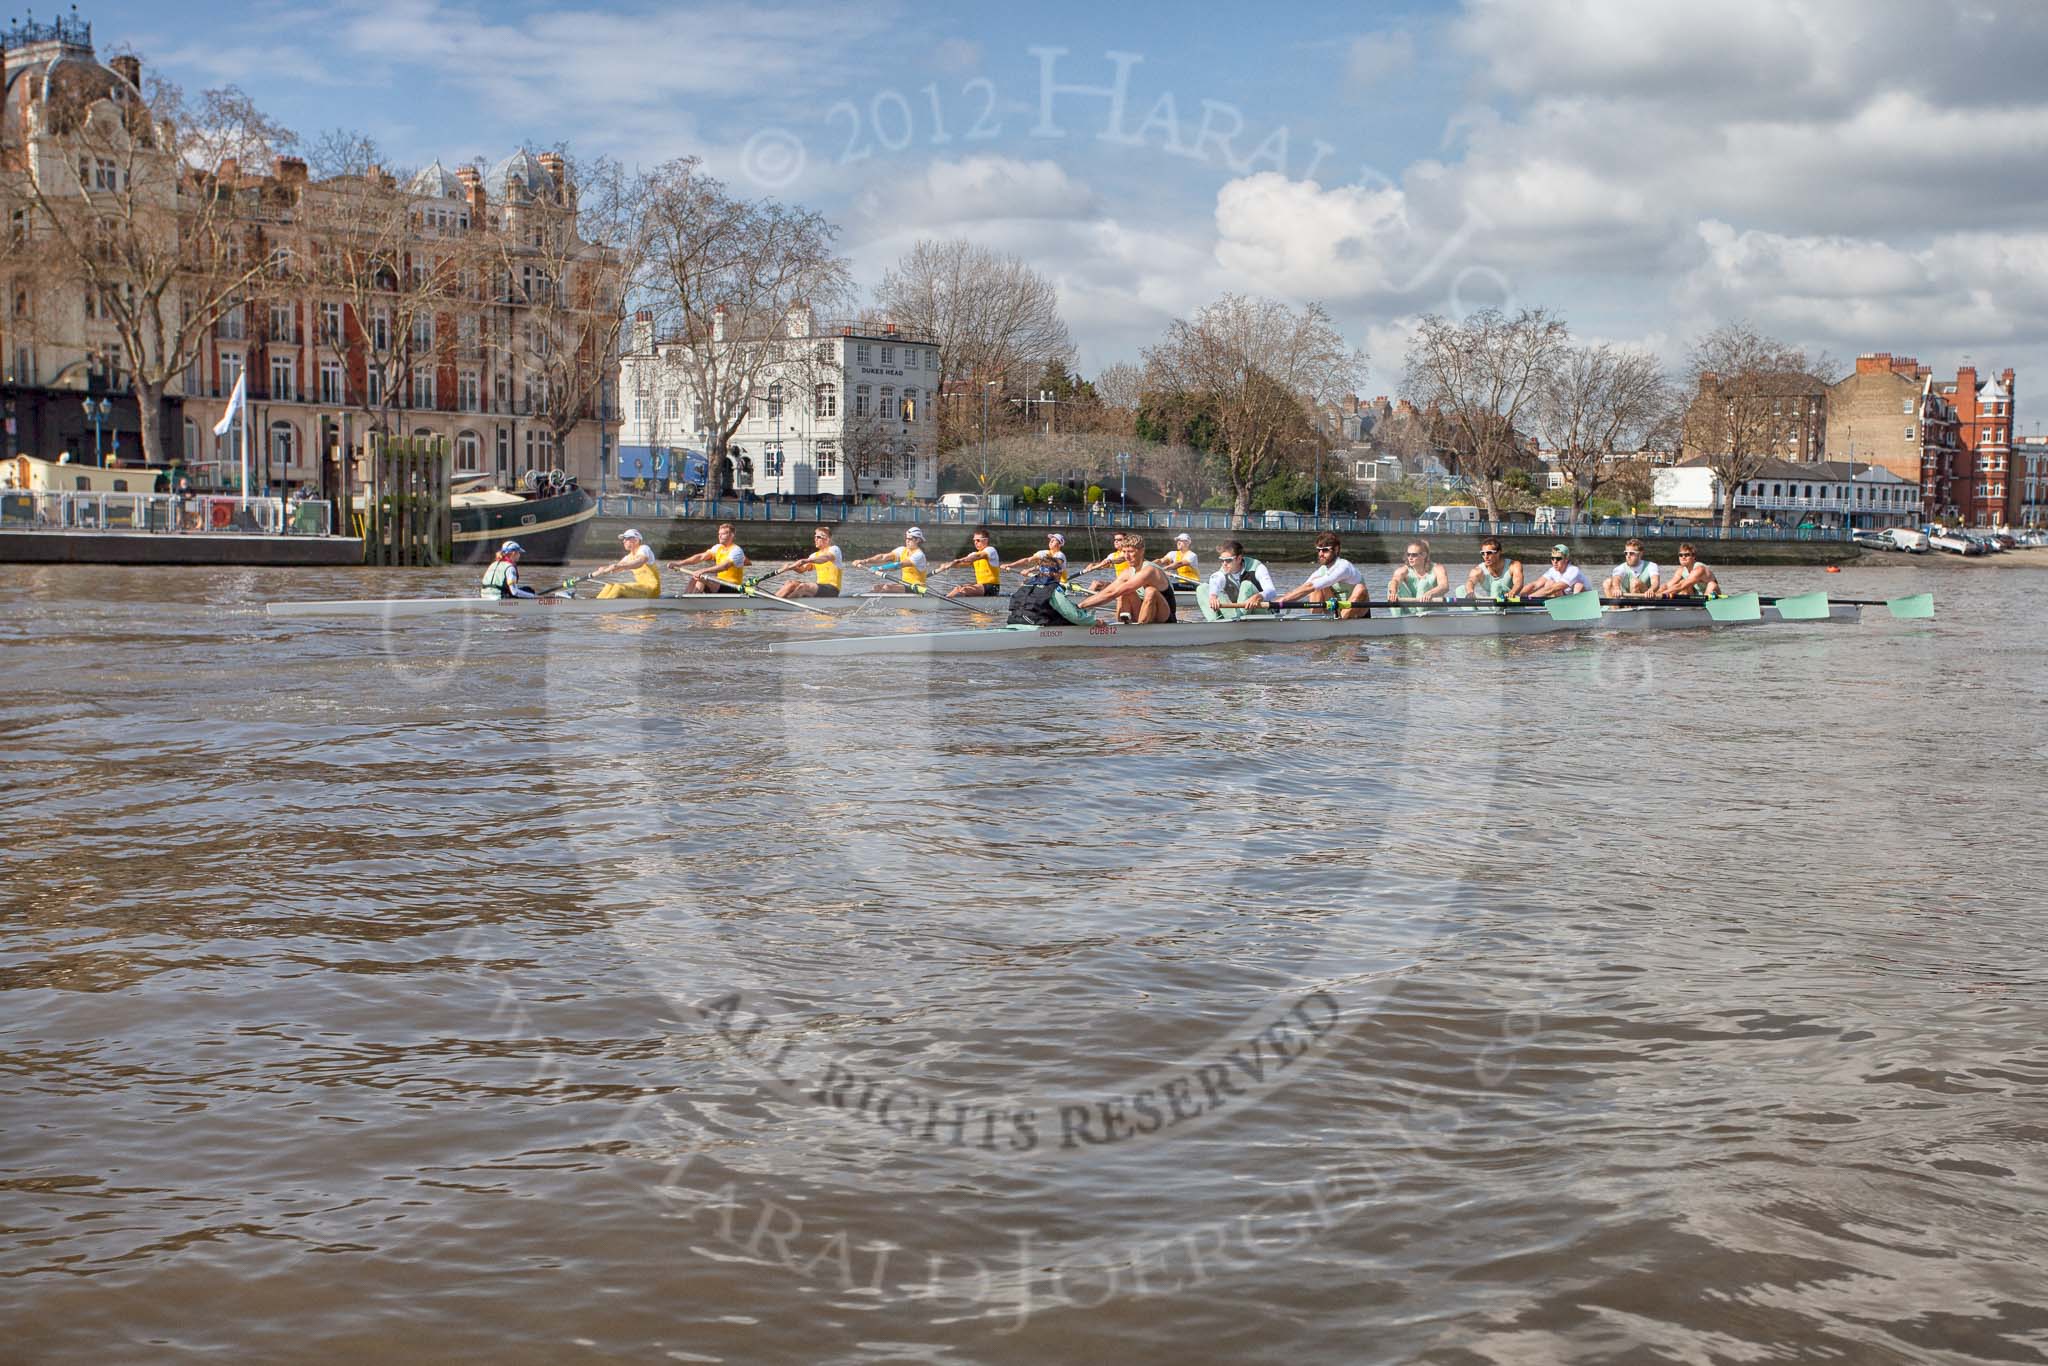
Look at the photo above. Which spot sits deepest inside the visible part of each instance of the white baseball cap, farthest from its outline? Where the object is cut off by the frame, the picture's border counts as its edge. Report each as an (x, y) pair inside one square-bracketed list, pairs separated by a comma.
[(510, 546), (916, 533), (1056, 537), (631, 535), (1184, 537)]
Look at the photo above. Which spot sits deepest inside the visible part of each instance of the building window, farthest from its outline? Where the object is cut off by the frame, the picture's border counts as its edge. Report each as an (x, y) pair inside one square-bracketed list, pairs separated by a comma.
[(229, 328), (230, 371), (540, 448), (504, 451), (888, 355), (373, 389), (469, 392), (931, 361), (910, 405), (775, 402), (771, 461), (860, 353), (423, 389), (380, 330), (281, 442), (281, 323), (826, 401), (330, 324), (888, 408), (885, 464), (193, 449), (862, 394), (672, 408), (281, 378), (469, 453), (423, 332), (828, 460)]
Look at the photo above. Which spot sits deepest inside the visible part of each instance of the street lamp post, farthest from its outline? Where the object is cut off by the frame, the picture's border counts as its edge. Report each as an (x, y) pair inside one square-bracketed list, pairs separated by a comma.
[(96, 412), (986, 390), (1319, 487), (1123, 484)]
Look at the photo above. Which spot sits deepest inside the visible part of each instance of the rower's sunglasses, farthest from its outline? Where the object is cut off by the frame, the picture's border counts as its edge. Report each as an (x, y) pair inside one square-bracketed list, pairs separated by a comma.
[(1411, 554), (1559, 559)]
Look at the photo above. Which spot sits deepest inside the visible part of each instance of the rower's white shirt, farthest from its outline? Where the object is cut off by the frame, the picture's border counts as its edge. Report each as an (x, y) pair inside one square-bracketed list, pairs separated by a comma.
[(831, 554), (1338, 571), (723, 555), (989, 553), (1646, 568), (1176, 558), (1262, 576), (639, 559), (1571, 576), (915, 559), (1056, 559)]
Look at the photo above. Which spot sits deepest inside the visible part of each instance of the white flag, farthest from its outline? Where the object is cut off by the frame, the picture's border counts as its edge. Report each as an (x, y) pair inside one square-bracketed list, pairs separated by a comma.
[(227, 420)]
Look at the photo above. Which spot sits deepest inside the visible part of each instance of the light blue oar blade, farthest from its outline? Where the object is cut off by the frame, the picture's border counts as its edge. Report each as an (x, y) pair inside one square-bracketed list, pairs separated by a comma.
[(1741, 607), (1918, 606), (1804, 607), (1573, 607)]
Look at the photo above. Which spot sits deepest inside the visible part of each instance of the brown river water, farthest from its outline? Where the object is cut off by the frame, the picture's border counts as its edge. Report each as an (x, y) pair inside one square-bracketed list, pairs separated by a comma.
[(613, 990)]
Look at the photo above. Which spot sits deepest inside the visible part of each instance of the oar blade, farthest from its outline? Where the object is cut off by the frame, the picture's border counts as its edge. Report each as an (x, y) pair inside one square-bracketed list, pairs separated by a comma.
[(1916, 607), (1803, 607), (1573, 607), (1740, 607)]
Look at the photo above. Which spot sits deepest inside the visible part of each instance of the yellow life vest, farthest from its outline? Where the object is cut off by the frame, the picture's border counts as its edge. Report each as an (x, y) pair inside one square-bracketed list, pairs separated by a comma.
[(1183, 562), (907, 565), (827, 570), (728, 570), (984, 572)]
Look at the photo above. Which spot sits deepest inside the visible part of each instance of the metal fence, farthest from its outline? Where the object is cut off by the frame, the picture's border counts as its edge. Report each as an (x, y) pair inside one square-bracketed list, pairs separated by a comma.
[(648, 507), (168, 513)]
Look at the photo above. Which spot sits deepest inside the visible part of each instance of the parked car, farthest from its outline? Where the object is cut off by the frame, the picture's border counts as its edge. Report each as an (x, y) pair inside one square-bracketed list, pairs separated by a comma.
[(1442, 517)]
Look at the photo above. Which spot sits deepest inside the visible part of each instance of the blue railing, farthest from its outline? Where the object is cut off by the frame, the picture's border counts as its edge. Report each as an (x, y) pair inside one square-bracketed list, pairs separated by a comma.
[(650, 507)]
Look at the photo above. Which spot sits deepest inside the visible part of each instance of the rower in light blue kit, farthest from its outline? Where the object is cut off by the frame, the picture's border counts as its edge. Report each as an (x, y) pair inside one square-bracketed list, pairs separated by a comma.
[(501, 579), (1419, 579), (1495, 576)]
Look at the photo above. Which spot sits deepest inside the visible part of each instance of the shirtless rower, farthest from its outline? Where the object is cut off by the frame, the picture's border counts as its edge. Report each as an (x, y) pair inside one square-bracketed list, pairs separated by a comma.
[(1634, 577), (1142, 591), (1116, 561), (1420, 578), (1180, 562), (988, 569), (1562, 579), (1334, 580), (1495, 576), (908, 560), (727, 562), (1692, 579), (826, 561), (1050, 561), (635, 559)]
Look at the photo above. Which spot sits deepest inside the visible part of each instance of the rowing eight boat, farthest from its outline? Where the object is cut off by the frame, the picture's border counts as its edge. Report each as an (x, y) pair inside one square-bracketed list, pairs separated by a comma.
[(1491, 622), (993, 608)]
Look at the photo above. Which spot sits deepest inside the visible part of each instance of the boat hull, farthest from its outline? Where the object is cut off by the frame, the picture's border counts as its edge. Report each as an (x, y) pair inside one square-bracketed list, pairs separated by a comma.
[(989, 609), (1185, 635), (548, 530)]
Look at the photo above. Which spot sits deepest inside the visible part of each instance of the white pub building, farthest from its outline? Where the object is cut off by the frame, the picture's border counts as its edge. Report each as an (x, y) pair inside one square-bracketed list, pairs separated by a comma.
[(841, 412), (1822, 493)]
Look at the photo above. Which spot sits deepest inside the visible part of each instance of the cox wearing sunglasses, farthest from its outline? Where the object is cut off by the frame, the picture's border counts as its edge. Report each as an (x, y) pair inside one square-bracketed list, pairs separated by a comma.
[(1563, 577)]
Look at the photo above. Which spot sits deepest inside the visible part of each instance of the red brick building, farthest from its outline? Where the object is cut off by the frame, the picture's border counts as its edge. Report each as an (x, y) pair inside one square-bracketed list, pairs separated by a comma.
[(1982, 488)]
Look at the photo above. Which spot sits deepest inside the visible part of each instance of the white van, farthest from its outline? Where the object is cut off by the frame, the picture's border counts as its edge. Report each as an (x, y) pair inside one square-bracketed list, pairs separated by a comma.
[(1442, 517), (960, 502), (1906, 539)]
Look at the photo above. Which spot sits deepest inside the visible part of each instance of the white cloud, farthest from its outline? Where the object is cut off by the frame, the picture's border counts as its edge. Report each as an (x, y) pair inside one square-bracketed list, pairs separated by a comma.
[(1377, 57), (974, 189), (1295, 238)]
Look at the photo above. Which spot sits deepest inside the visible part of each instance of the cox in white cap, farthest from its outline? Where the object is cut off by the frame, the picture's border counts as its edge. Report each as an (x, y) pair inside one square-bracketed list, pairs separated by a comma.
[(1056, 538), (1183, 539), (631, 535), (511, 548), (916, 533)]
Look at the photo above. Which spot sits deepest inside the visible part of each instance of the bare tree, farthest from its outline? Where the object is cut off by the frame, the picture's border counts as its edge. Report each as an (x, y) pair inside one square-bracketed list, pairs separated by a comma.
[(1752, 396), (1256, 367), (992, 315), (1477, 376), (383, 276), (724, 274), (1121, 385), (1175, 470), (565, 260), (148, 220), (1597, 405)]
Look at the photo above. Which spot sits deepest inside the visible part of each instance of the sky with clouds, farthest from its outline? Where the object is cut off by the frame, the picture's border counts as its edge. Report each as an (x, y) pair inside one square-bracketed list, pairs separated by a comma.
[(1852, 175)]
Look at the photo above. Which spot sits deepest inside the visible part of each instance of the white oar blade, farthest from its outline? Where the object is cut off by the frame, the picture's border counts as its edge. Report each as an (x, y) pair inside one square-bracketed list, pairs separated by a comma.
[(1573, 607), (1917, 607), (1740, 607), (1804, 607)]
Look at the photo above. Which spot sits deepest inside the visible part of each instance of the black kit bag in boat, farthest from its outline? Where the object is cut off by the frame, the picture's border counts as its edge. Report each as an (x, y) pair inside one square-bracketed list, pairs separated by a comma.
[(1032, 605)]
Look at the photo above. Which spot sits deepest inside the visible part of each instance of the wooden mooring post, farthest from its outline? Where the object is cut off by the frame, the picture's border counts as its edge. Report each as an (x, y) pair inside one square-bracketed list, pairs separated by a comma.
[(408, 523)]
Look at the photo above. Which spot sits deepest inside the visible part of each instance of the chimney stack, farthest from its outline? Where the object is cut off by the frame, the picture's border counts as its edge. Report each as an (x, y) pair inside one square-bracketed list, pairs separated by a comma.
[(473, 190), (718, 323), (290, 170), (128, 69)]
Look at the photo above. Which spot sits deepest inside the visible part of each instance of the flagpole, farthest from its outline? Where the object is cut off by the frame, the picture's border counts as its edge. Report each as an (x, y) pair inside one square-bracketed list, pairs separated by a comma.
[(242, 418)]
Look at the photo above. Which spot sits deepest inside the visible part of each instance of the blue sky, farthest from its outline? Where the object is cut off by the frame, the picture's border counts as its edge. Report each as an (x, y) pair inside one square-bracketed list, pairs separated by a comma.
[(1851, 174)]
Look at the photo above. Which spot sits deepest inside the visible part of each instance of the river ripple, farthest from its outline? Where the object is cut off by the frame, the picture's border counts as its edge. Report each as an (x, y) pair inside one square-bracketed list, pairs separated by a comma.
[(615, 991)]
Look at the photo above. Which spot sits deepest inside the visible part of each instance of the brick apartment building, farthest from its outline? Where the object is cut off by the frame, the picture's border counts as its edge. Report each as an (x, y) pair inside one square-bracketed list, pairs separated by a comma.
[(1982, 488), (1889, 412)]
